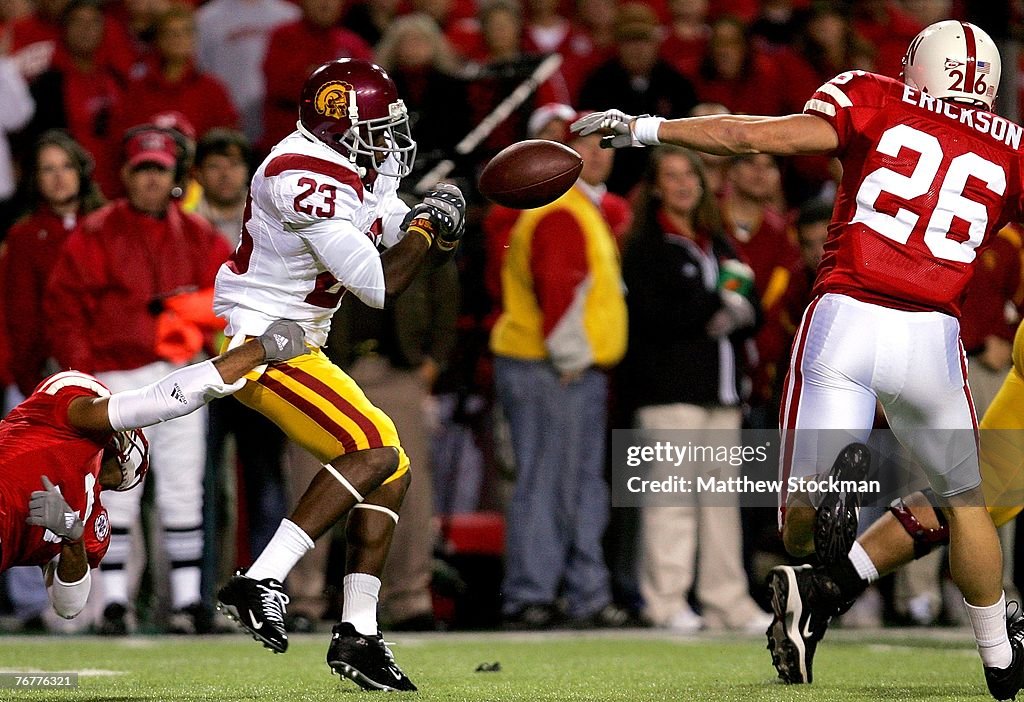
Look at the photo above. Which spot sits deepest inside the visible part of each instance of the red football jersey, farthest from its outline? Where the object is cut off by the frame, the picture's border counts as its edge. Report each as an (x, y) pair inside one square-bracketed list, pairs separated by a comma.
[(36, 440), (925, 183)]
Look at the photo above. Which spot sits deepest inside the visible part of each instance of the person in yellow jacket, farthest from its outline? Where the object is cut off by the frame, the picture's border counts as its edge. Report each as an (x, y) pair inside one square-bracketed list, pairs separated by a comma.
[(563, 323)]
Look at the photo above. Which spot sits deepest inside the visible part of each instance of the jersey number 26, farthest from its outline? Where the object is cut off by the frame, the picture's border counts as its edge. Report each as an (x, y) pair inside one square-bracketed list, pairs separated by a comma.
[(951, 201)]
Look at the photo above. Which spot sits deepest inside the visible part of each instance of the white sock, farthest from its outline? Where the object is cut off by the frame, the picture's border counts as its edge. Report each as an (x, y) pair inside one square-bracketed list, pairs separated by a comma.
[(185, 586), (862, 563), (989, 624), (288, 545), (360, 607)]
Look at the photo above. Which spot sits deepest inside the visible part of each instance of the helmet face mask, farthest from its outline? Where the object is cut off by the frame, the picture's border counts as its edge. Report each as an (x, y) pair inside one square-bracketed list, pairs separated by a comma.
[(131, 450), (384, 144), (954, 61), (352, 107)]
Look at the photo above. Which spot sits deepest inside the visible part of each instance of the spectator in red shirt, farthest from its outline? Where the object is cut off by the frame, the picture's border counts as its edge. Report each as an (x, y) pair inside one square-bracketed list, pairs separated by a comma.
[(758, 230), (549, 32), (688, 33), (116, 272), (590, 43), (173, 83), (59, 190), (297, 48), (138, 19), (735, 74), (36, 40), (889, 29), (34, 36), (782, 316), (82, 93)]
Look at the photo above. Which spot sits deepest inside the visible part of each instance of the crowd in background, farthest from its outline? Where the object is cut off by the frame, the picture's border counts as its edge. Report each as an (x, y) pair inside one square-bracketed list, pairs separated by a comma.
[(669, 285)]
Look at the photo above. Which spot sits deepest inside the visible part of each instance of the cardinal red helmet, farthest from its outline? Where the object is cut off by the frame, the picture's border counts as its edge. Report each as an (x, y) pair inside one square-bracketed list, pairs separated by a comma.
[(353, 107)]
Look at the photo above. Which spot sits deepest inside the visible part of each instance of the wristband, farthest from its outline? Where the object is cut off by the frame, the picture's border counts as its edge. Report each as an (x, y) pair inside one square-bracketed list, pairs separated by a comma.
[(446, 246), (645, 130), (420, 230)]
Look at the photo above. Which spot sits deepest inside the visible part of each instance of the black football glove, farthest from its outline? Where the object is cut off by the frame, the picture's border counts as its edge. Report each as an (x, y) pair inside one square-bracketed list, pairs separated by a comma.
[(441, 215)]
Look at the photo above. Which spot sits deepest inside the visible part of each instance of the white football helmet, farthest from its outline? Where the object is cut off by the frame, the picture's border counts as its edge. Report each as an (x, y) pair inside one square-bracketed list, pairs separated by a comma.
[(954, 60), (132, 451)]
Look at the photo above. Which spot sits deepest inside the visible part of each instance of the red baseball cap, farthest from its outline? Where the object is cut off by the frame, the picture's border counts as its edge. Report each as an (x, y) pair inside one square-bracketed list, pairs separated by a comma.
[(151, 146)]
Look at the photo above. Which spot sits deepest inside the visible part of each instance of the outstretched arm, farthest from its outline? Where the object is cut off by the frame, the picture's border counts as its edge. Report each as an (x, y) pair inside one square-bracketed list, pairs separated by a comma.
[(186, 389), (716, 134)]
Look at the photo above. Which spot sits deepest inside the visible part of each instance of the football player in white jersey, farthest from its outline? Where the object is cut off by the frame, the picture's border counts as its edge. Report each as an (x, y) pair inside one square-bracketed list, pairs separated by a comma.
[(321, 205)]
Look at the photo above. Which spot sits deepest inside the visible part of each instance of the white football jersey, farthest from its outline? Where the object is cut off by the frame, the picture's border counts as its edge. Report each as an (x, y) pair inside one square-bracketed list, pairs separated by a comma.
[(310, 233)]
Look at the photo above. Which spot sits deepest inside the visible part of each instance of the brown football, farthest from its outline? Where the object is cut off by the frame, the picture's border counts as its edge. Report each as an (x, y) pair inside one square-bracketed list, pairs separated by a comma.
[(530, 174)]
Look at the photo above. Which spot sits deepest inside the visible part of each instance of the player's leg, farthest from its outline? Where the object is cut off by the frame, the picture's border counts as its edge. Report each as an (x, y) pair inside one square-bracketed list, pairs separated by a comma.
[(828, 404), (324, 411), (357, 650), (915, 525), (932, 414)]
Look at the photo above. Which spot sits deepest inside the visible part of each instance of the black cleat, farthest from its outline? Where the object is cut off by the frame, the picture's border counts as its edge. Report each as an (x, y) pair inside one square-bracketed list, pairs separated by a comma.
[(365, 660), (258, 606), (835, 524), (800, 621), (1005, 683)]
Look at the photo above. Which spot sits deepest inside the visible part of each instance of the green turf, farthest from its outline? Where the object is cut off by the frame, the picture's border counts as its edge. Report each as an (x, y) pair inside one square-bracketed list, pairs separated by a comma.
[(566, 668)]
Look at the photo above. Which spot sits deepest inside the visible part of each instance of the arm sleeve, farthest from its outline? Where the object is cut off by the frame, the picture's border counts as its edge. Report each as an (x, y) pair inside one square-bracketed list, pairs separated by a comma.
[(17, 106), (175, 395), (68, 599)]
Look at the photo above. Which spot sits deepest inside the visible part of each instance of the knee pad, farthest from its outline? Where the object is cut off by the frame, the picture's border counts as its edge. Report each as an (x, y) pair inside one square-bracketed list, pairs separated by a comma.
[(924, 539)]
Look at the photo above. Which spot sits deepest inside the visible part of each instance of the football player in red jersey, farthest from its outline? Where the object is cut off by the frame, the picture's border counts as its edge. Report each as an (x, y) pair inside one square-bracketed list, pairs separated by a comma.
[(71, 438), (929, 173)]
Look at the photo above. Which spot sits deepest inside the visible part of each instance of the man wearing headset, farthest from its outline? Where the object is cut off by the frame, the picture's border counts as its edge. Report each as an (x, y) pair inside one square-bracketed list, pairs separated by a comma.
[(104, 312)]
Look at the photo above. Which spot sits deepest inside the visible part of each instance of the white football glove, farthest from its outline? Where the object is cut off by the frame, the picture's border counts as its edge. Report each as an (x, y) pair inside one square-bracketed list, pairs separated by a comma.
[(627, 130)]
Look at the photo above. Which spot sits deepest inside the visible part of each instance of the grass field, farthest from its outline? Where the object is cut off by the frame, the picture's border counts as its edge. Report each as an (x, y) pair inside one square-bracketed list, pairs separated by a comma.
[(568, 667)]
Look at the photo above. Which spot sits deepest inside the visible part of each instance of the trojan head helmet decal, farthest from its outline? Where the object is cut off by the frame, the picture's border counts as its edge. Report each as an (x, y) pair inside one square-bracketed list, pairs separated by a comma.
[(332, 99)]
